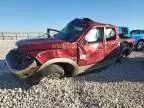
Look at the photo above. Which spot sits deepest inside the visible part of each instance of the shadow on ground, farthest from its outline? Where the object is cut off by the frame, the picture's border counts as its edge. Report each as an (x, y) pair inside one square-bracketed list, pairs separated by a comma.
[(8, 80), (130, 69)]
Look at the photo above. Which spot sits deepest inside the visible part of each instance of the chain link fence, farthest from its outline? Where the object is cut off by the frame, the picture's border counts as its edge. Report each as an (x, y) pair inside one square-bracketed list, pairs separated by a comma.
[(19, 35)]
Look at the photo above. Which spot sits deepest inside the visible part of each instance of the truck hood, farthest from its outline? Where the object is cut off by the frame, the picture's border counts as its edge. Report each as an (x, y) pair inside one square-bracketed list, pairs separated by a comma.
[(40, 44)]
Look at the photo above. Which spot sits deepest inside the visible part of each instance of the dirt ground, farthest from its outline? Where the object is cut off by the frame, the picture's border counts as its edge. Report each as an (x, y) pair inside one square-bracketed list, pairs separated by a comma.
[(120, 85)]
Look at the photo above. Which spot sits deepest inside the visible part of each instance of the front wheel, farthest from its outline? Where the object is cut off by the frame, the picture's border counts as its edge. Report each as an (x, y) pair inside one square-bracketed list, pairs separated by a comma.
[(52, 71), (140, 45)]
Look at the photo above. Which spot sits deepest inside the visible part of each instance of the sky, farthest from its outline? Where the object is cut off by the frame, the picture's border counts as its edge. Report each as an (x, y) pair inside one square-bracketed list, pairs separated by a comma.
[(38, 15)]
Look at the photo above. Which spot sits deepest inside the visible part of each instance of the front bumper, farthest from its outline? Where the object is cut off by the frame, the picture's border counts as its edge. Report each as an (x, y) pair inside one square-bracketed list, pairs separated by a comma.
[(21, 65)]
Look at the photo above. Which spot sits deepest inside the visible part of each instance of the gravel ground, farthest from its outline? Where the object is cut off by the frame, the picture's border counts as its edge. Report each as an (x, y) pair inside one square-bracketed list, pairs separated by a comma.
[(120, 85)]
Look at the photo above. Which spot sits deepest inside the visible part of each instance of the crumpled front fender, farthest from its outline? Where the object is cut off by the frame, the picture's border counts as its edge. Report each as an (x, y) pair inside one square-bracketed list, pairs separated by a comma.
[(21, 65)]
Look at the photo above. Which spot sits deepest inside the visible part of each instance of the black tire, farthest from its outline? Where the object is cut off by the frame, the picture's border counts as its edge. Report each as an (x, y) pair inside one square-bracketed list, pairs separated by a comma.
[(126, 50), (140, 45), (52, 71)]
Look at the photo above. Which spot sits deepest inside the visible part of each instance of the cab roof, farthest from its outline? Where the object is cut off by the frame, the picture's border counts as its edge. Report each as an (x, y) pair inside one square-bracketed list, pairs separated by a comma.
[(91, 22)]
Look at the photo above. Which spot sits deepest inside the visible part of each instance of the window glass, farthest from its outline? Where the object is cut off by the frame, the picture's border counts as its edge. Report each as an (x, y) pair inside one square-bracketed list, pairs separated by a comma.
[(142, 32), (138, 32), (110, 34), (125, 30), (95, 35), (73, 30), (134, 32)]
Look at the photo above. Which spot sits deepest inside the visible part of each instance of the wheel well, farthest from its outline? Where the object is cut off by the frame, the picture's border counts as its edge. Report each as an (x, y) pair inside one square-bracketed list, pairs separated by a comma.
[(68, 68)]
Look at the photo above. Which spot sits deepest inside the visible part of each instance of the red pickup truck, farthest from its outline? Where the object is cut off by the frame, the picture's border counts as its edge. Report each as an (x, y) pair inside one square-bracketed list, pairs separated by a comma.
[(81, 46)]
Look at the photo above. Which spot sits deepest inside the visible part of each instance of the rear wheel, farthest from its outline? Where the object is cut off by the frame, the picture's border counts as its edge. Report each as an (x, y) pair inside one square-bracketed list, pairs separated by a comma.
[(126, 50), (52, 71), (140, 45)]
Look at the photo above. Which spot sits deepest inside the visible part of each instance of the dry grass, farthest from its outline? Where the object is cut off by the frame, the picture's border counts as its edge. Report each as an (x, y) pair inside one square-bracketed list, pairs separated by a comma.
[(5, 46)]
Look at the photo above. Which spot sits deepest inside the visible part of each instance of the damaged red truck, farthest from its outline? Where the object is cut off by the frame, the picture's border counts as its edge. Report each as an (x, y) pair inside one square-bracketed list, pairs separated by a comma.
[(81, 46)]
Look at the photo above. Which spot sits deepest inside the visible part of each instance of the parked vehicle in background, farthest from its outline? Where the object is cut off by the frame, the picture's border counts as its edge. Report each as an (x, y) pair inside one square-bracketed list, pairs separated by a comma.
[(138, 35), (126, 39), (125, 31), (82, 45)]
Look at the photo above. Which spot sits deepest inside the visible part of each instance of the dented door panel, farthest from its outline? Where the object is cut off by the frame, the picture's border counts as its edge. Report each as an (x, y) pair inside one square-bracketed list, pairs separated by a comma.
[(91, 53)]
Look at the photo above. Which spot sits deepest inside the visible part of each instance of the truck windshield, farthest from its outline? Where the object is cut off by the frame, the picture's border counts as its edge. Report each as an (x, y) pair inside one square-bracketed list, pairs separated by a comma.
[(72, 31)]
